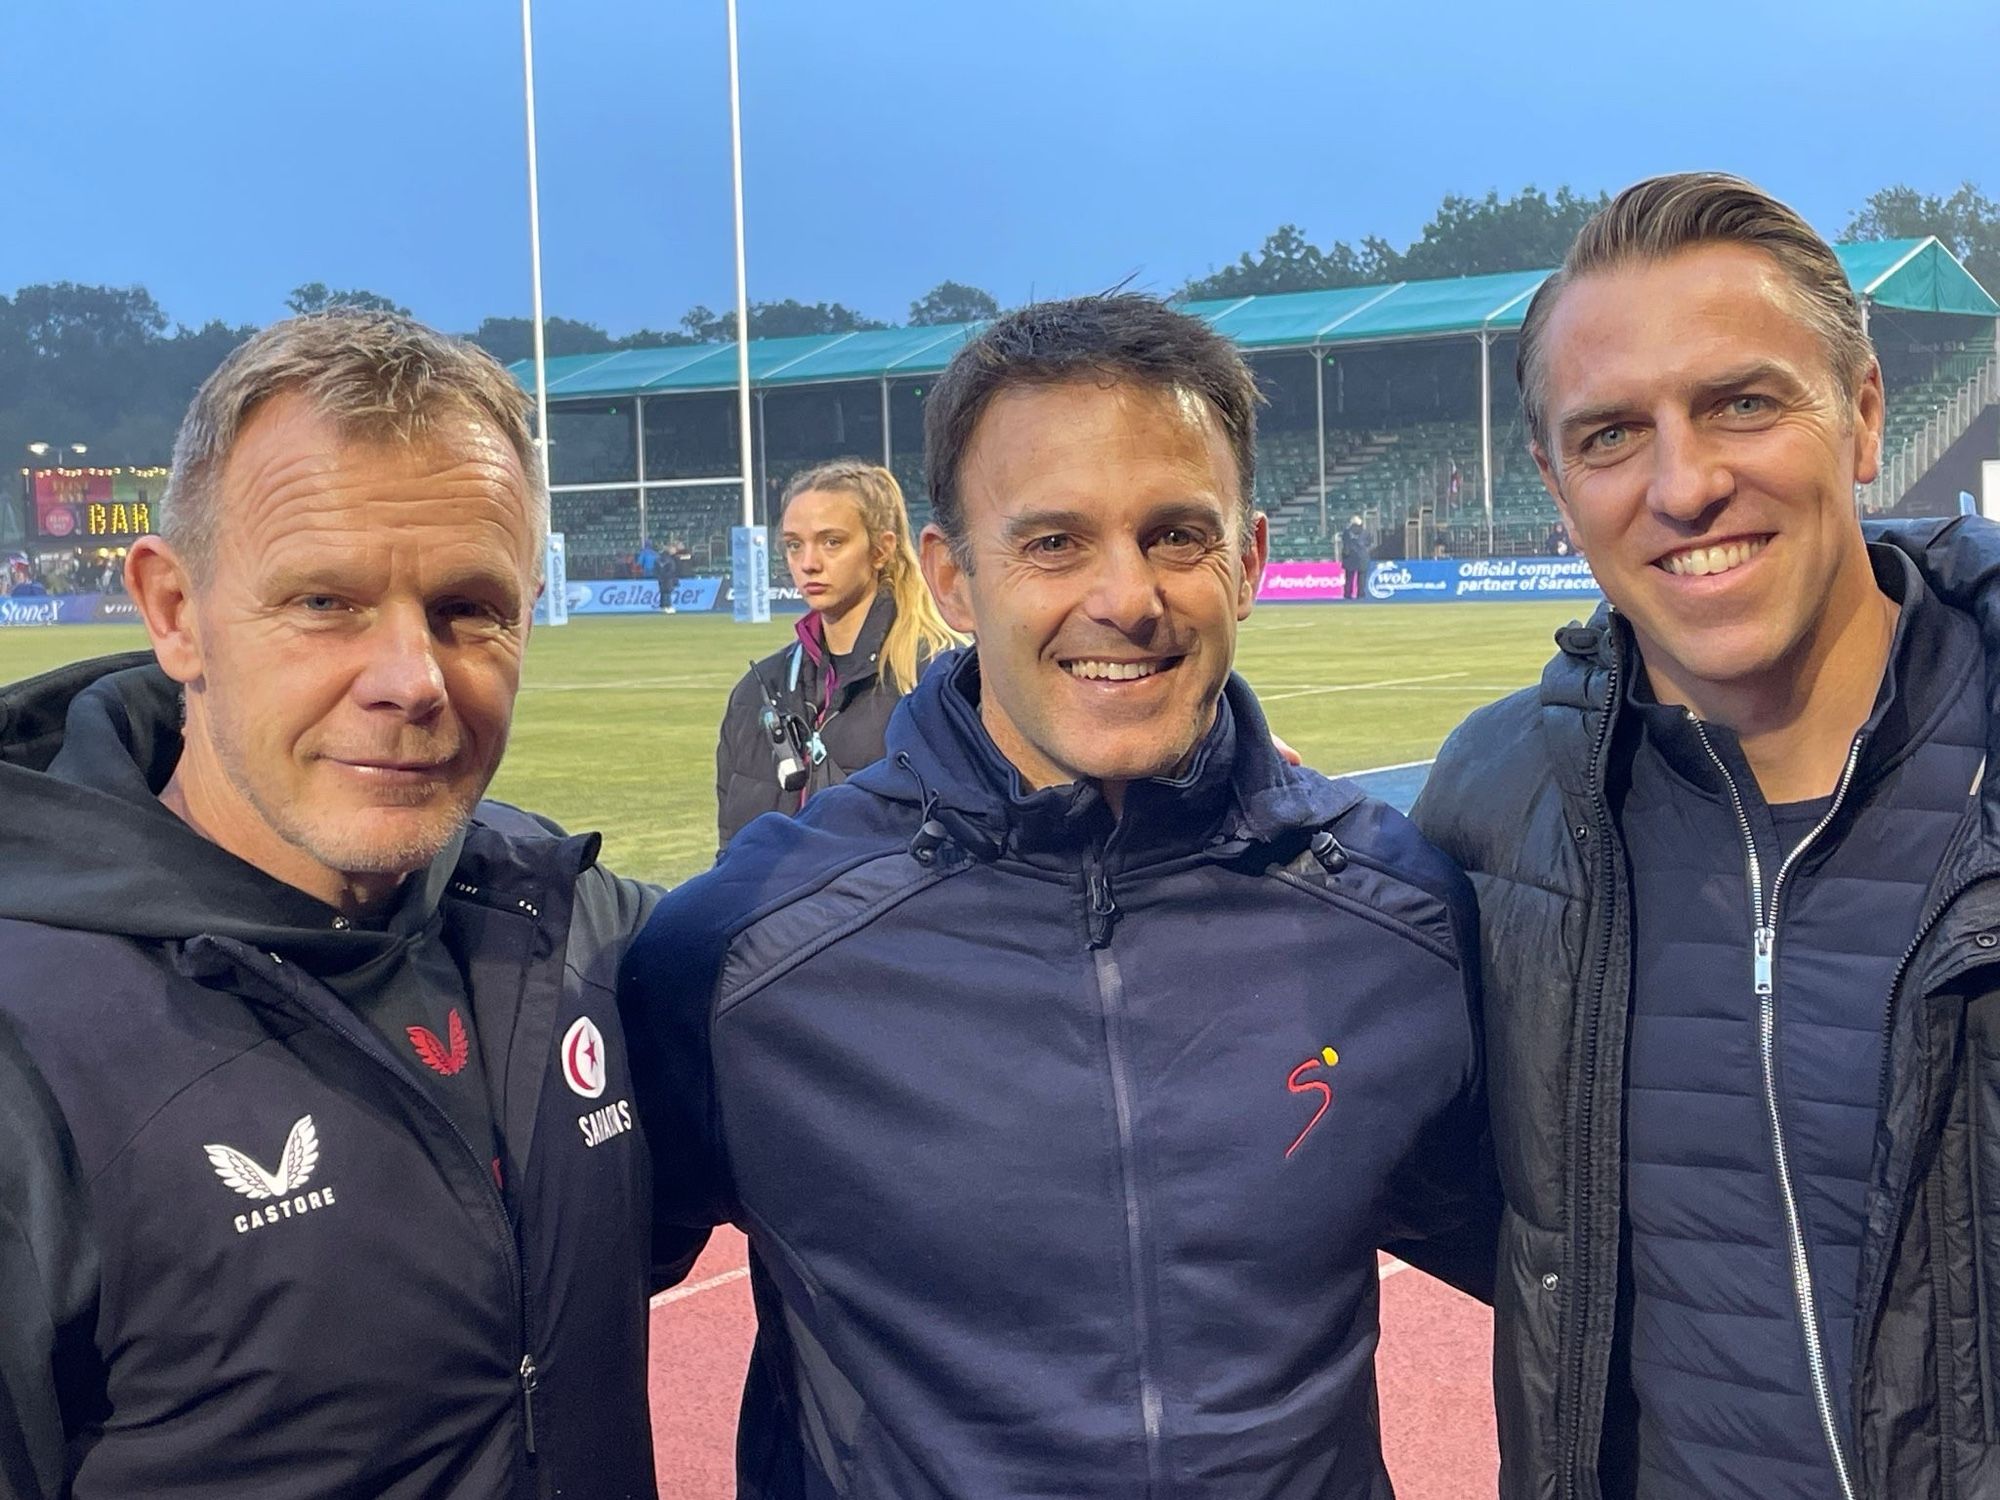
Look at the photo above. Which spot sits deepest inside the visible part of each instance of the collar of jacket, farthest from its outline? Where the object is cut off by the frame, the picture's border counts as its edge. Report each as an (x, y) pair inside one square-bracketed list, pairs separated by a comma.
[(1237, 788), (1580, 694), (1960, 563), (1925, 668), (811, 631)]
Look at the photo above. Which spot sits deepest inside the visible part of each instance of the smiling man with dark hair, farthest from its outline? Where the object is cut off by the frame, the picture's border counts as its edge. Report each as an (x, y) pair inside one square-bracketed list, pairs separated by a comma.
[(1067, 1067)]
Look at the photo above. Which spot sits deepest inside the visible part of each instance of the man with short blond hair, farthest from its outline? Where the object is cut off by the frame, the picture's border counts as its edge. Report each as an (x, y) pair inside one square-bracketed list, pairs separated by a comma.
[(318, 1172), (1736, 868)]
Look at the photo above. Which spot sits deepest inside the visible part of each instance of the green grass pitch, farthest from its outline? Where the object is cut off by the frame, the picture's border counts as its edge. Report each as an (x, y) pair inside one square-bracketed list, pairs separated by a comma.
[(617, 719)]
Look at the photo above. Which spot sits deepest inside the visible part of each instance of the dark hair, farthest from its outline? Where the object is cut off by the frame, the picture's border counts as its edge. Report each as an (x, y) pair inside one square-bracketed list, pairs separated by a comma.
[(1119, 337)]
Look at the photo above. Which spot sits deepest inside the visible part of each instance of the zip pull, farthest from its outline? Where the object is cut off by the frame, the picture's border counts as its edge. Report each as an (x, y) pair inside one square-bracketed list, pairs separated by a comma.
[(530, 1378), (1103, 910), (1761, 961)]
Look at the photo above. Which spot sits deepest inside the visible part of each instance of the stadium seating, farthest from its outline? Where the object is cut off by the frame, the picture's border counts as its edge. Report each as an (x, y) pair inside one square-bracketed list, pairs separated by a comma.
[(1385, 472)]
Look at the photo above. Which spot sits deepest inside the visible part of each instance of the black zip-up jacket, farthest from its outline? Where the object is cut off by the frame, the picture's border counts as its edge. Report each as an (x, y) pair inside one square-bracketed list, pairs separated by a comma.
[(243, 1249), (1519, 798), (851, 723)]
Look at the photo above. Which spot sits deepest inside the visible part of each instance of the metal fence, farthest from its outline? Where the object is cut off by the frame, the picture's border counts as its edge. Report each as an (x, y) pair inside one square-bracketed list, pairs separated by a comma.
[(1915, 455)]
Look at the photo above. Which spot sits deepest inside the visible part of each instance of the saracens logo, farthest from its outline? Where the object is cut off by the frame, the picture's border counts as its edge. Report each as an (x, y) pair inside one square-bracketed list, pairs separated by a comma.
[(283, 1189), (583, 1058)]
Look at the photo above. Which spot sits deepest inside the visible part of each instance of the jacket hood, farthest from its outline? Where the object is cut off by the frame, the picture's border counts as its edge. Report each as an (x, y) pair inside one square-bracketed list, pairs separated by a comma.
[(86, 844), (1237, 787)]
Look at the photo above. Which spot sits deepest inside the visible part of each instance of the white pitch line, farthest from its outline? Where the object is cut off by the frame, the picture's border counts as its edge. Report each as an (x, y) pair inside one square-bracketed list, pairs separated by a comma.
[(1355, 687), (707, 1285), (1401, 765)]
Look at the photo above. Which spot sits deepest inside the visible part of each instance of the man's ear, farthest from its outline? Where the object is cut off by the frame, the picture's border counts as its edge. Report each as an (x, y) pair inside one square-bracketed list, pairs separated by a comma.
[(949, 580), (162, 588), (1869, 415), (1255, 557)]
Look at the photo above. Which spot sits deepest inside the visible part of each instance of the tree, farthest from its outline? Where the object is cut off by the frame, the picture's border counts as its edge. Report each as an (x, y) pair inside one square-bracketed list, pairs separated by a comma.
[(509, 339), (655, 338), (1968, 222), (317, 296), (775, 320), (1479, 236), (952, 302), (1289, 262), (1465, 237)]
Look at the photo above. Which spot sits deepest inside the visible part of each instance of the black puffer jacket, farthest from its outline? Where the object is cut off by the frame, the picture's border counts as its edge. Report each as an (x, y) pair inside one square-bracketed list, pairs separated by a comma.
[(850, 721), (1518, 798)]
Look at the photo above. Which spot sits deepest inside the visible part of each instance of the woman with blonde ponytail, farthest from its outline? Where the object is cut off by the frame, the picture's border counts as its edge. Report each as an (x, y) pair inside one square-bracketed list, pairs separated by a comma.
[(810, 715)]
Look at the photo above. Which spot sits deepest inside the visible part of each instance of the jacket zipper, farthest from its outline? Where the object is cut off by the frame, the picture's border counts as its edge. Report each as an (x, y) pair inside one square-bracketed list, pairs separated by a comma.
[(1102, 914), (1763, 966), (1931, 918), (529, 1375), (1579, 1294)]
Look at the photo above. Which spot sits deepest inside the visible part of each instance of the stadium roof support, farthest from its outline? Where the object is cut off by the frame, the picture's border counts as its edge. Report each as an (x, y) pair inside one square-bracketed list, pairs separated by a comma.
[(1907, 275)]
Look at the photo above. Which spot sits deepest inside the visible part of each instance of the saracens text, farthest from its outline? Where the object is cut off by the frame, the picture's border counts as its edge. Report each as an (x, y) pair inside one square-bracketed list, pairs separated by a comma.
[(600, 1125)]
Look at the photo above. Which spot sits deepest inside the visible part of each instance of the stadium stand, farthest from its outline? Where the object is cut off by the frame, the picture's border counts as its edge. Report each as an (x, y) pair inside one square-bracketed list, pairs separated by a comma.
[(1389, 377)]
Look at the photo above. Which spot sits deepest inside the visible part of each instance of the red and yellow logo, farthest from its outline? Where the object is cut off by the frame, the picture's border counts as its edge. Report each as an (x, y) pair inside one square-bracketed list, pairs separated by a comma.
[(1299, 1083)]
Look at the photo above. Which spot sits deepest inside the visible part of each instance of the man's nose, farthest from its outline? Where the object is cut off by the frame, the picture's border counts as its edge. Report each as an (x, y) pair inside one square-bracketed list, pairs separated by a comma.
[(1689, 476), (1125, 592), (402, 670)]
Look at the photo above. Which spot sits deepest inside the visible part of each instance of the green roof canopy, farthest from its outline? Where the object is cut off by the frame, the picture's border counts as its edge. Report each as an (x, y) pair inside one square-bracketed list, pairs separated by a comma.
[(1908, 275)]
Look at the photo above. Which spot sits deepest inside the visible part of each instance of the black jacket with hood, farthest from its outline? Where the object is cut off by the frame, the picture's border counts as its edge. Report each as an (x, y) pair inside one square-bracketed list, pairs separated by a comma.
[(1521, 798), (243, 1249)]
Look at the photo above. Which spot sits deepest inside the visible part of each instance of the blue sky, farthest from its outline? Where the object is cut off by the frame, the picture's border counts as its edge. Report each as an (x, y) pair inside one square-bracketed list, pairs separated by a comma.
[(221, 153)]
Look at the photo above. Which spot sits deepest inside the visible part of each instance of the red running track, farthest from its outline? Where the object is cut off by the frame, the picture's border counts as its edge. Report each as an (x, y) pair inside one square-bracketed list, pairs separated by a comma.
[(1433, 1367)]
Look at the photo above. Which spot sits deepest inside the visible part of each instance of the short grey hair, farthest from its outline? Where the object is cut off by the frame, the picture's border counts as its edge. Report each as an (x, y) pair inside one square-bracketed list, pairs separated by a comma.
[(1662, 216), (377, 376)]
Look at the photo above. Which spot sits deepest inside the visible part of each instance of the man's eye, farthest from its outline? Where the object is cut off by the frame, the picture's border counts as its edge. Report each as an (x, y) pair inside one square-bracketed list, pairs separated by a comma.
[(1182, 539), (1749, 406), (1050, 546), (320, 604), (1605, 439)]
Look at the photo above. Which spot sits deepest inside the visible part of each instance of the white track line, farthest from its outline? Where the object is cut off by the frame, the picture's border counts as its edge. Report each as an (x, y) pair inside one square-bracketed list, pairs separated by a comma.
[(1354, 687), (676, 1294), (1401, 765)]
